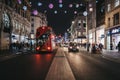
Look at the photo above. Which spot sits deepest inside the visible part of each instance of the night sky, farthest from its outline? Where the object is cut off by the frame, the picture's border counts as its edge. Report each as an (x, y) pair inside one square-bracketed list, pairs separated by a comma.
[(59, 17)]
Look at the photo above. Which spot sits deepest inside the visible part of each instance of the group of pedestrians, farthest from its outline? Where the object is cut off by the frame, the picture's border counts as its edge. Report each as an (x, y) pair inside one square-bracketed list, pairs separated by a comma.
[(98, 47), (16, 46)]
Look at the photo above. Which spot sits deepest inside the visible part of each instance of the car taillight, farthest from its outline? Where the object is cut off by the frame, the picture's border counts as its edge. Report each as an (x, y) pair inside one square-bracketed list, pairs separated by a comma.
[(48, 48), (38, 48)]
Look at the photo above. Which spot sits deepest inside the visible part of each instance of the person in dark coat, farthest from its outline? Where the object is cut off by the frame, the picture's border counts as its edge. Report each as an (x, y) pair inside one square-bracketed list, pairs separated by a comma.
[(101, 46), (93, 48), (118, 46)]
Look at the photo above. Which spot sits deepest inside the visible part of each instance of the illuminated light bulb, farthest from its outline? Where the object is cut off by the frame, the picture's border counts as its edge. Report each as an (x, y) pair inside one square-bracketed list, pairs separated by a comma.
[(25, 8), (77, 5), (60, 1), (65, 12), (70, 5), (55, 12), (60, 5), (19, 1), (75, 12), (81, 4), (35, 12), (51, 6), (39, 4)]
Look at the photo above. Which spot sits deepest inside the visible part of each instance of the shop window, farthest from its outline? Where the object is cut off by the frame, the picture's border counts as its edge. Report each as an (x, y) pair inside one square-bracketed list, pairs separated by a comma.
[(108, 7), (108, 21), (32, 24), (116, 19), (32, 19), (117, 2)]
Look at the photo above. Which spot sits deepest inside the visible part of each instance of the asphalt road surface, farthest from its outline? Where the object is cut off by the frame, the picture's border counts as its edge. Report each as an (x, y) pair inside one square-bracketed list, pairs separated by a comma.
[(26, 67), (93, 67)]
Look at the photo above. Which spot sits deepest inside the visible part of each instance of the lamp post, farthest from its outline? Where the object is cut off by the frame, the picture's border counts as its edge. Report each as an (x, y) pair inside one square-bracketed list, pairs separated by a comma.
[(87, 30)]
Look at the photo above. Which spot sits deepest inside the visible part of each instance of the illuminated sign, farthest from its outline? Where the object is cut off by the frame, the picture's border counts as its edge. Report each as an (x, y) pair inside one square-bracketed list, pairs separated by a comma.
[(114, 31)]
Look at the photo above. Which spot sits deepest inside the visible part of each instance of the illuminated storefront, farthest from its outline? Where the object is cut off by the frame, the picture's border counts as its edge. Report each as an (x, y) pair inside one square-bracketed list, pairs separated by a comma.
[(100, 35), (113, 37)]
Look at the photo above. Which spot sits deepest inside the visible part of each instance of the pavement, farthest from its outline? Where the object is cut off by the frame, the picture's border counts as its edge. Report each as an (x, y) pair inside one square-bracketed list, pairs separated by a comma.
[(6, 54), (112, 55)]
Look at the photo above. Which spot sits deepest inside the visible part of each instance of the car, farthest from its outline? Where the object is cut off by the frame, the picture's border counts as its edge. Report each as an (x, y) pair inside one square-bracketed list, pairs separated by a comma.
[(73, 47)]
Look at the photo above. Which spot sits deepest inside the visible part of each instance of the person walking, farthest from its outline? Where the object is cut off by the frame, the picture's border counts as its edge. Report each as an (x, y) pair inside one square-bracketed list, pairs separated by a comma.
[(100, 46), (118, 46)]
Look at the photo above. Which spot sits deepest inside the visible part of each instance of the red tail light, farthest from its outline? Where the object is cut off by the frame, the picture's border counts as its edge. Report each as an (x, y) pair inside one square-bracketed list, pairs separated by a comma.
[(48, 48), (38, 48)]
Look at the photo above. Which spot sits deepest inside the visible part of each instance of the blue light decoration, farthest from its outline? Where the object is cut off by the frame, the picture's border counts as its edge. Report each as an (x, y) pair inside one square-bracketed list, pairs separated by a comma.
[(60, 5), (96, 1), (25, 8), (55, 12), (39, 4), (35, 12), (19, 1), (77, 5), (51, 5)]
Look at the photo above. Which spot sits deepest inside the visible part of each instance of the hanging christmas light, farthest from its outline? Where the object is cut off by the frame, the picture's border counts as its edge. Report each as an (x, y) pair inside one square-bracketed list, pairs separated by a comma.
[(51, 5), (39, 4), (35, 12)]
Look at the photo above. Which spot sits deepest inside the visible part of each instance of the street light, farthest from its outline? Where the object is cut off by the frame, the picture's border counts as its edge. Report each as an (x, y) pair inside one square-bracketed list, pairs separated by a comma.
[(87, 34)]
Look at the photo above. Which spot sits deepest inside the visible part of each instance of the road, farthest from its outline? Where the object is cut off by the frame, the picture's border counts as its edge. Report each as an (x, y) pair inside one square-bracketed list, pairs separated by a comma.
[(26, 67), (92, 67), (36, 66)]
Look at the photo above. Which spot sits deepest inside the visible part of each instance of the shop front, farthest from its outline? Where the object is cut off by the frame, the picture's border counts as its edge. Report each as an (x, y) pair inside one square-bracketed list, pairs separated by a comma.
[(100, 35), (113, 37)]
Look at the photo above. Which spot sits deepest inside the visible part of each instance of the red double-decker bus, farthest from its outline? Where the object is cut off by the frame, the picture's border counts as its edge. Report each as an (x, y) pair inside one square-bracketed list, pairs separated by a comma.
[(45, 39)]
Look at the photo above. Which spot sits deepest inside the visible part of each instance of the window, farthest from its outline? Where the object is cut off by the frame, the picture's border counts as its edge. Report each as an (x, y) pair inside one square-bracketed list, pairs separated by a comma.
[(108, 7), (116, 19), (108, 21), (32, 25), (32, 19), (117, 2)]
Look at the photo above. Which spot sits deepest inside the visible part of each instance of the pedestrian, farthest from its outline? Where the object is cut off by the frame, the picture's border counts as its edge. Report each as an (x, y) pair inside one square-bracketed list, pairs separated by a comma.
[(88, 46), (100, 46), (93, 48), (118, 46), (111, 46)]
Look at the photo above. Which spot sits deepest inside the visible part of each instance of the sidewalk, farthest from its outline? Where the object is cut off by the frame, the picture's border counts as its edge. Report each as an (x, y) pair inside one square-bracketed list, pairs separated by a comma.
[(60, 68), (6, 54), (108, 54)]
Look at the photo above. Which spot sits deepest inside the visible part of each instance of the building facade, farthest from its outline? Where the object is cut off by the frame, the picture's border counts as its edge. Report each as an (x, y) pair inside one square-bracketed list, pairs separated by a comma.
[(37, 21), (112, 21), (100, 22), (14, 22), (91, 21), (78, 29)]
